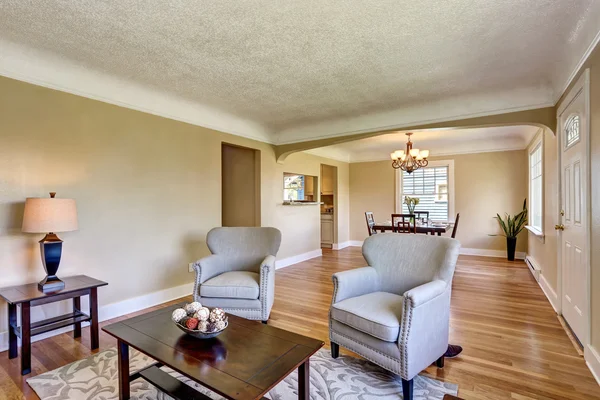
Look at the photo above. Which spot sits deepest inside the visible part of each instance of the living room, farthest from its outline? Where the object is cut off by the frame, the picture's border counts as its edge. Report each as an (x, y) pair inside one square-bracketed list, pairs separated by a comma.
[(126, 113)]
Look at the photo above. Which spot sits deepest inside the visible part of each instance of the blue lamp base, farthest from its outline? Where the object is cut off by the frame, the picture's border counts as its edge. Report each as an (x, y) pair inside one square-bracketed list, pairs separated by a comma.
[(51, 250)]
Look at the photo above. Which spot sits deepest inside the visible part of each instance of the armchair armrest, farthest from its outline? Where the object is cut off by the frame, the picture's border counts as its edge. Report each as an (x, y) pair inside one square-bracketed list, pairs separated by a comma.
[(426, 292), (209, 267), (354, 282), (267, 286), (424, 327)]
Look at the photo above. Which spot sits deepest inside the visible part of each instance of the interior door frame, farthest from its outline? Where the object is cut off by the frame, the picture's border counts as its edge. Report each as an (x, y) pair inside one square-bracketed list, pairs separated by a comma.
[(582, 84)]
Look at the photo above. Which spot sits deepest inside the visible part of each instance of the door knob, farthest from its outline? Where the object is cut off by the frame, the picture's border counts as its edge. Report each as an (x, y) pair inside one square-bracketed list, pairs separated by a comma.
[(560, 227)]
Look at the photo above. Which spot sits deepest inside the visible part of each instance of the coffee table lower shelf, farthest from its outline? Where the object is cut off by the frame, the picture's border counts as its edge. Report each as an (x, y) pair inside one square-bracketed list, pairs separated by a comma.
[(169, 385)]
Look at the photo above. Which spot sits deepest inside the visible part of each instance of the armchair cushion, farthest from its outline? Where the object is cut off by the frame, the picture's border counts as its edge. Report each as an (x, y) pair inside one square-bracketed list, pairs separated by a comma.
[(377, 314), (232, 285)]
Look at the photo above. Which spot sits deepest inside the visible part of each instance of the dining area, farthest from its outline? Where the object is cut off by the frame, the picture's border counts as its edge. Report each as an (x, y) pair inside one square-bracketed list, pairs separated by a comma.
[(416, 222)]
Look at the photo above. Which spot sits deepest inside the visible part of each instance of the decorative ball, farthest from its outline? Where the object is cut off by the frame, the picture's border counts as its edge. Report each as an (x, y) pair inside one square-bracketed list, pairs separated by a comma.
[(217, 315), (183, 320), (178, 314), (220, 325), (211, 327), (191, 323), (202, 326), (192, 308), (202, 314)]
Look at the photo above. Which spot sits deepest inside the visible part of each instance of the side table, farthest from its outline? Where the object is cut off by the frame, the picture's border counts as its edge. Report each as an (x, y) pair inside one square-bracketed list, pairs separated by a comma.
[(28, 296)]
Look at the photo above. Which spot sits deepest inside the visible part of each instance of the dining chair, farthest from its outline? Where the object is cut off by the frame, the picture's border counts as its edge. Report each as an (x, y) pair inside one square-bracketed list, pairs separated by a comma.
[(401, 223), (455, 226), (370, 222), (422, 214)]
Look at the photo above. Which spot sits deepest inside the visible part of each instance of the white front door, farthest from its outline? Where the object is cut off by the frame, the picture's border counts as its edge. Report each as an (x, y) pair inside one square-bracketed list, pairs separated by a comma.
[(573, 146)]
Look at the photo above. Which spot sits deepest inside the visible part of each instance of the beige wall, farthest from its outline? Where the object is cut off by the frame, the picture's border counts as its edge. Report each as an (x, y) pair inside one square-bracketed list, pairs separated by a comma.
[(485, 184), (147, 188)]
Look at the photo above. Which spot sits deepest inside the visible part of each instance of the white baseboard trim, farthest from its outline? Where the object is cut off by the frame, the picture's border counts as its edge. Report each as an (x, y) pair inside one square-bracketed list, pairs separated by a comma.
[(549, 292), (118, 309), (592, 359), (355, 243), (286, 262), (343, 245), (519, 255)]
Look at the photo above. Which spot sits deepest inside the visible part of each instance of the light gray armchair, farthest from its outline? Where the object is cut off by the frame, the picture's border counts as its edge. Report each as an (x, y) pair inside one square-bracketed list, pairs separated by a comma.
[(396, 311), (239, 276)]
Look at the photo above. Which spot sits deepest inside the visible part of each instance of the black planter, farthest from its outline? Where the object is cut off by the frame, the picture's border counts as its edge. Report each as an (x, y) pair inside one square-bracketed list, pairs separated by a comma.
[(511, 245)]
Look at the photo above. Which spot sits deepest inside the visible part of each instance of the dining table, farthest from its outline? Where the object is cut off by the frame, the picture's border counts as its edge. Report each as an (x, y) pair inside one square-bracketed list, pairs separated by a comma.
[(428, 228)]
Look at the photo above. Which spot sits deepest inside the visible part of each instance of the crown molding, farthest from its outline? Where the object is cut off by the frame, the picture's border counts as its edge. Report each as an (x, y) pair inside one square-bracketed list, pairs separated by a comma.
[(47, 70), (577, 68)]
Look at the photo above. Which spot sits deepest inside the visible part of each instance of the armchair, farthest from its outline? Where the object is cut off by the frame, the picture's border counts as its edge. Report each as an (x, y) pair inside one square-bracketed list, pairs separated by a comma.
[(239, 276), (396, 311)]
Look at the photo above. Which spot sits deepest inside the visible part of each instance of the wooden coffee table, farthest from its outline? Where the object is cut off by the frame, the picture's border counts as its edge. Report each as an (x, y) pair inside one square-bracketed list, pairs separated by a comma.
[(243, 362)]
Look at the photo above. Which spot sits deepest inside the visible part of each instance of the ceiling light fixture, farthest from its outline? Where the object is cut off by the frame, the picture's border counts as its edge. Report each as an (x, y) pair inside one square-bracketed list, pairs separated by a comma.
[(411, 159)]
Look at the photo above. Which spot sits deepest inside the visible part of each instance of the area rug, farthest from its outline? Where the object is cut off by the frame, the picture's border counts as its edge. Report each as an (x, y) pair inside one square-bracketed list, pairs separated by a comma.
[(330, 379)]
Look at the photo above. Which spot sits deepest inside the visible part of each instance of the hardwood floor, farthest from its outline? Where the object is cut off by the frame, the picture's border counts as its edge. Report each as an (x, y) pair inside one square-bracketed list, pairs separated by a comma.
[(514, 345)]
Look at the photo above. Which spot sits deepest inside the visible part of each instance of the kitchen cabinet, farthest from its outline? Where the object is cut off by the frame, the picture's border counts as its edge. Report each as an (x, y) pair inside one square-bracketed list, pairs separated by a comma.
[(327, 230), (327, 179)]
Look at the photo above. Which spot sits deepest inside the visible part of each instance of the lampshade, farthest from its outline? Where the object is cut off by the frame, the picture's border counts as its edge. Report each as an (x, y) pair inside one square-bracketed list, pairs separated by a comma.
[(43, 215)]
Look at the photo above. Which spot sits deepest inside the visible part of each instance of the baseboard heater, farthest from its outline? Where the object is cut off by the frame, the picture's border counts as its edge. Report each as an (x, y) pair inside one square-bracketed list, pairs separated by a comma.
[(533, 267)]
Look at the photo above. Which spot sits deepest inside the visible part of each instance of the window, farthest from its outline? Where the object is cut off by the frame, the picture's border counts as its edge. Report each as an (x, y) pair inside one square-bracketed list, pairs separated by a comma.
[(433, 186), (536, 197), (293, 187), (571, 131)]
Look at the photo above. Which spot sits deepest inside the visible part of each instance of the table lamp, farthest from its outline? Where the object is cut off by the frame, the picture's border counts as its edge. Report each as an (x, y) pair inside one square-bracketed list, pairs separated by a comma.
[(49, 215)]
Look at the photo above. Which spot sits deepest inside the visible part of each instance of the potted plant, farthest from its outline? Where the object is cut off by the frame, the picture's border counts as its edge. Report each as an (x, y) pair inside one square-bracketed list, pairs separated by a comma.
[(411, 203), (511, 226)]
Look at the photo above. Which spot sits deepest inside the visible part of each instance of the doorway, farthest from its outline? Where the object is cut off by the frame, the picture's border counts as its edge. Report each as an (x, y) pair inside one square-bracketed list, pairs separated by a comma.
[(574, 225), (240, 186)]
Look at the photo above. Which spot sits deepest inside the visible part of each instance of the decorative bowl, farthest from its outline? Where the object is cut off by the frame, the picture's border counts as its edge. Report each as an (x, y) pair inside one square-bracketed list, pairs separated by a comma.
[(202, 335)]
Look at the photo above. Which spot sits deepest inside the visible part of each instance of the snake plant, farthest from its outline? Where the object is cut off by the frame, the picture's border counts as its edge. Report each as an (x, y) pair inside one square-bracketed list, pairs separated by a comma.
[(513, 225)]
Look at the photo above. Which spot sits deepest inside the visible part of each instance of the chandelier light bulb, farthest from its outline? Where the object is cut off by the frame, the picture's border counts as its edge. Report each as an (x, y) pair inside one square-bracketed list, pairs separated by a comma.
[(414, 152), (424, 153), (394, 156)]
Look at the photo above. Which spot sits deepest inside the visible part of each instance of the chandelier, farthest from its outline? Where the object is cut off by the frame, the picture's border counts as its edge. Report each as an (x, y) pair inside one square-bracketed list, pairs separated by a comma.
[(411, 159)]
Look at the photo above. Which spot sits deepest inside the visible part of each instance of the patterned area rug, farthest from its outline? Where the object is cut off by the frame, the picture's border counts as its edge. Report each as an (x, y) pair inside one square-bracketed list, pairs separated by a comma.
[(330, 379)]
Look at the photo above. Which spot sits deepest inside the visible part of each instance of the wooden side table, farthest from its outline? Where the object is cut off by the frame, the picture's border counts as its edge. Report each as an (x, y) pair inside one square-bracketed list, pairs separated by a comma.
[(28, 296)]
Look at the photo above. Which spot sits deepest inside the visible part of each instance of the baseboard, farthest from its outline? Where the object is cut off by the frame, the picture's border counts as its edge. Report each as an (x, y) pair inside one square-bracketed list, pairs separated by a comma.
[(343, 245), (355, 243), (286, 262), (549, 292), (118, 309), (592, 359), (519, 255)]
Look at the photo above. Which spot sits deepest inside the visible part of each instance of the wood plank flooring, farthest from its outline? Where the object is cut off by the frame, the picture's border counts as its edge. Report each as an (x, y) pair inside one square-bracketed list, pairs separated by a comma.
[(514, 345)]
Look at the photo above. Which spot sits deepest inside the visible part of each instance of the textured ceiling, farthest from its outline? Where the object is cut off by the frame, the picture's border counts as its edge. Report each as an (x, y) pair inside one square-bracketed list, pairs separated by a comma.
[(438, 142), (301, 68)]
